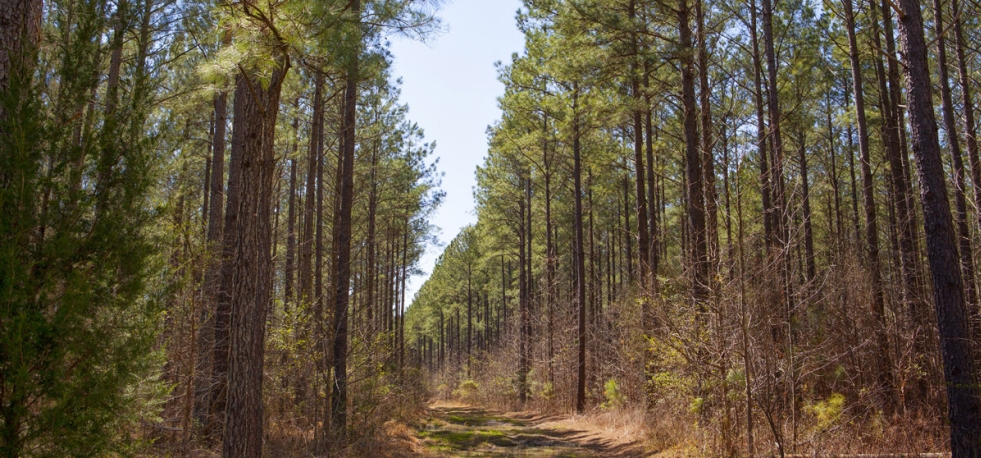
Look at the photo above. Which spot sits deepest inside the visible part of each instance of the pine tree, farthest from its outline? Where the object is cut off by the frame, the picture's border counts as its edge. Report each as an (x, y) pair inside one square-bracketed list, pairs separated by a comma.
[(78, 321)]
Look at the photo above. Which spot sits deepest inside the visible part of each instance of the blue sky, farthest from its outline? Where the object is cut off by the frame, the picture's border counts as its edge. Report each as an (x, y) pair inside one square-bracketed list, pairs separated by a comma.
[(451, 87)]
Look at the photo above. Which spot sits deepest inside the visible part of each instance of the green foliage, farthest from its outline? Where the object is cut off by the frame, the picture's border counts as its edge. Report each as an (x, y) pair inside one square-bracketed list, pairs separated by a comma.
[(827, 412), (80, 300), (668, 376), (614, 398), (467, 390), (697, 405), (547, 392), (736, 377), (81, 281)]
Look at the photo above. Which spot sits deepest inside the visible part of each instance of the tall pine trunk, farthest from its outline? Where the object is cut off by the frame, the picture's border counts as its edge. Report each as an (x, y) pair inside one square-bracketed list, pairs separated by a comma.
[(971, 139), (310, 200), (766, 177), (809, 267), (892, 133), (643, 242), (695, 209), (289, 271), (959, 178), (342, 236), (251, 292), (579, 253), (710, 194), (223, 299), (549, 252), (884, 369), (206, 321), (524, 314), (964, 407), (372, 263), (652, 208)]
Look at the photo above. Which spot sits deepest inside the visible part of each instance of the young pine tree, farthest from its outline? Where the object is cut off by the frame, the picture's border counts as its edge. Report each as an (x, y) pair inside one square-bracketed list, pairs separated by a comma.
[(76, 325)]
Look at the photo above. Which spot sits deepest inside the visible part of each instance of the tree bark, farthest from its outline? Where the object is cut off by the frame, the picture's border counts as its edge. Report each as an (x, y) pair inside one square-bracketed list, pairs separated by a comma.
[(695, 209), (115, 58), (652, 209), (223, 301), (288, 287), (708, 142), (523, 306), (549, 251), (850, 134), (892, 133), (402, 280), (318, 234), (310, 200), (625, 230), (643, 242), (810, 270), (206, 320), (971, 139), (776, 139), (964, 408), (766, 178), (967, 101), (954, 143), (289, 292), (372, 264), (469, 316), (20, 30), (342, 236), (580, 273), (252, 261), (835, 181)]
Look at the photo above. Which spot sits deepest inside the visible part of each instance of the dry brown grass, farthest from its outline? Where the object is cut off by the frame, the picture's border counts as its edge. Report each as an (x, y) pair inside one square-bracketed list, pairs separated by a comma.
[(625, 426), (671, 432), (397, 440)]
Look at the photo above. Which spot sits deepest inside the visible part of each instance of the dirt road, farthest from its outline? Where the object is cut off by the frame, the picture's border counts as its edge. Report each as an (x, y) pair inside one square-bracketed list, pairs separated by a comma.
[(465, 431)]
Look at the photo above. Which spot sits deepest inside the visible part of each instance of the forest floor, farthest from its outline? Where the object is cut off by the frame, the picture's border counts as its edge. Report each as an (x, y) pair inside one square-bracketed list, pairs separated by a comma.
[(461, 430)]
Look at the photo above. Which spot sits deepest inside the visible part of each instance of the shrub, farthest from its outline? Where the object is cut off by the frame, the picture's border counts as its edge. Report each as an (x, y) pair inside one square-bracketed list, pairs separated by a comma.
[(828, 412), (614, 398), (467, 390)]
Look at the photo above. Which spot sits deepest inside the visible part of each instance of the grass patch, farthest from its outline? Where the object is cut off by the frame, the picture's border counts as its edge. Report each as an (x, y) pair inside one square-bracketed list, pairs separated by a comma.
[(465, 440), (466, 419), (482, 420)]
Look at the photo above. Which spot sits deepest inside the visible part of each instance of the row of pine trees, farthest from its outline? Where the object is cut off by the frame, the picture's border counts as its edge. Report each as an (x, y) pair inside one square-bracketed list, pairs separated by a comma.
[(208, 215), (753, 218)]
